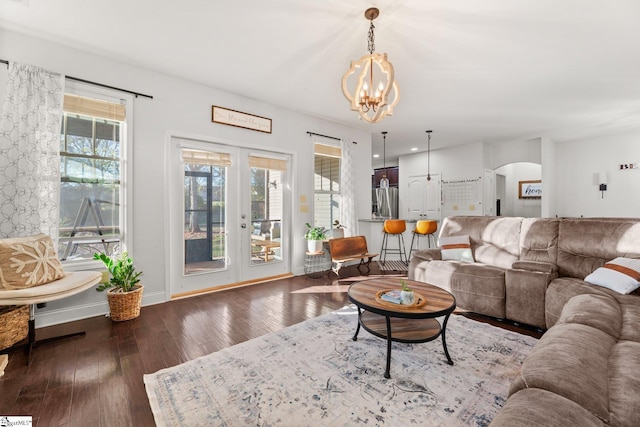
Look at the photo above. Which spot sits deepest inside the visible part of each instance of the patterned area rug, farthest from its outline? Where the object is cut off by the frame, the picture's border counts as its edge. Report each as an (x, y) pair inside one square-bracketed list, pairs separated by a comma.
[(393, 266), (313, 374)]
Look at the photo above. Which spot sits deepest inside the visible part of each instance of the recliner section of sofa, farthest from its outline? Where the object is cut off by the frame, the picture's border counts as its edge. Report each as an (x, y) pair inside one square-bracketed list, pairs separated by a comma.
[(526, 269), (581, 372)]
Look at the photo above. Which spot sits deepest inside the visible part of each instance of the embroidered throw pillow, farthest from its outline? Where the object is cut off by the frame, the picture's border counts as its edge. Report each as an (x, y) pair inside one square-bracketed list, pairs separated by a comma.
[(28, 261), (456, 248), (621, 275)]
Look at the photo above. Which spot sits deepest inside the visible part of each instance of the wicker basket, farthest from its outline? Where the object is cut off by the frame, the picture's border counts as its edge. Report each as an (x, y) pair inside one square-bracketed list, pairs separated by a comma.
[(125, 306), (14, 325)]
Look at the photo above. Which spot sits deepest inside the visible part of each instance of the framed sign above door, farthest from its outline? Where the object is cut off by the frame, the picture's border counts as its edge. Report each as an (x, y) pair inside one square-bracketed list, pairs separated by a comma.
[(239, 119)]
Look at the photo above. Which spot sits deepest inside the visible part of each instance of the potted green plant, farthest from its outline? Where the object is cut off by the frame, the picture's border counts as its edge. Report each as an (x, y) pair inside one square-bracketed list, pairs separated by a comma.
[(406, 294), (124, 291), (315, 237), (338, 229)]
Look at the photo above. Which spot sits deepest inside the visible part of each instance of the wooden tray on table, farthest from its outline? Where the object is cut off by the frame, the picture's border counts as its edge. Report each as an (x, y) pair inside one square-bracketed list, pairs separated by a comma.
[(419, 301)]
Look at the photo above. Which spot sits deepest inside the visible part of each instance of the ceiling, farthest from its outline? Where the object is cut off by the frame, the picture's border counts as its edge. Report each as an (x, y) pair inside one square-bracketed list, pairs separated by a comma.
[(473, 71)]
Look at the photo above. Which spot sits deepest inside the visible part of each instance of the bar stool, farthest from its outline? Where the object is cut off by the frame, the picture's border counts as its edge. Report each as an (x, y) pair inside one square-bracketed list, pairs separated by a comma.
[(424, 228), (394, 227)]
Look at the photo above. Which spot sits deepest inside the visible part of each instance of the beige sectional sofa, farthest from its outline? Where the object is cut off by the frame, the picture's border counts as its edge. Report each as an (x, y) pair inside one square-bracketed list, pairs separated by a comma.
[(526, 269), (532, 270), (582, 371)]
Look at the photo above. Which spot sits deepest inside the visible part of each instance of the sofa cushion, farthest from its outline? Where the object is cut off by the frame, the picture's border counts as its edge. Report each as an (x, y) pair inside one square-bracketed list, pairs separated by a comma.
[(586, 244), (532, 407), (561, 290), (621, 275), (477, 287), (570, 360), (620, 320), (601, 312), (494, 240), (28, 261), (630, 308), (624, 384), (539, 240)]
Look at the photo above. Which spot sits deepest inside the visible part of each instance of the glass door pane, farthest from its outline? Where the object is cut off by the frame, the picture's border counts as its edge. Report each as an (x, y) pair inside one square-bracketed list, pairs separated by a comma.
[(204, 215), (266, 181)]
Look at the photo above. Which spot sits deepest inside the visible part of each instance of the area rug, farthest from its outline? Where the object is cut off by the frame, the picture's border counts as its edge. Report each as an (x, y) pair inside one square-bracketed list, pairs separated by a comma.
[(393, 266), (314, 374)]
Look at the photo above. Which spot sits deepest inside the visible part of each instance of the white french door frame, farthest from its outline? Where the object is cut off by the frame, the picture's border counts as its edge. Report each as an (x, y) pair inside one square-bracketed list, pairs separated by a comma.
[(238, 268)]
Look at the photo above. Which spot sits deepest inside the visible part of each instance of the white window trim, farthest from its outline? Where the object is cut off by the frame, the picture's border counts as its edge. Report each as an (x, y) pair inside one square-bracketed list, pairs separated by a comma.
[(126, 192)]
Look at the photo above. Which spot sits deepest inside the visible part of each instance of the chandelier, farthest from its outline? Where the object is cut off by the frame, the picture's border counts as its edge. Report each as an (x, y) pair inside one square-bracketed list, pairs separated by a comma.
[(374, 81)]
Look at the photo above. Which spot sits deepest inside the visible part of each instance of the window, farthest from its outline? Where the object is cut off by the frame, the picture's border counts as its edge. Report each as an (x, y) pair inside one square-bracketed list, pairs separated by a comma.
[(92, 153), (327, 198)]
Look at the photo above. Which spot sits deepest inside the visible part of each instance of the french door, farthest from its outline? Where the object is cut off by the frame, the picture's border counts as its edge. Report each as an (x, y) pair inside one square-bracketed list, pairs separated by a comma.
[(229, 215)]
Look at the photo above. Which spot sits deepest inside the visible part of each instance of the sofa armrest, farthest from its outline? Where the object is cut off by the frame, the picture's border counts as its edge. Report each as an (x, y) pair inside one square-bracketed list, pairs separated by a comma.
[(419, 261), (526, 292), (428, 254), (536, 267)]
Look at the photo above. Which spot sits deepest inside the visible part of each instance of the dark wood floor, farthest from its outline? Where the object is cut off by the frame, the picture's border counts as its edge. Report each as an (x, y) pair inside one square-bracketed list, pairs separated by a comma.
[(97, 380)]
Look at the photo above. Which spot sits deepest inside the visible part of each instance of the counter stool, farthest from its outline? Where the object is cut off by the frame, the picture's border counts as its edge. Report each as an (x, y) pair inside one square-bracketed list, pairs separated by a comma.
[(424, 228), (394, 227)]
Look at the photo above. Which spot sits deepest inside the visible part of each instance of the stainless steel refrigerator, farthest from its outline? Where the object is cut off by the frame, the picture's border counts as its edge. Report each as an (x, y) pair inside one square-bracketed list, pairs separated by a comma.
[(386, 202)]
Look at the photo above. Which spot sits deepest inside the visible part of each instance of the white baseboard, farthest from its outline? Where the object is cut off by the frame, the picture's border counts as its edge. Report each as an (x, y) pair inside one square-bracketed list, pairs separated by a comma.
[(79, 312)]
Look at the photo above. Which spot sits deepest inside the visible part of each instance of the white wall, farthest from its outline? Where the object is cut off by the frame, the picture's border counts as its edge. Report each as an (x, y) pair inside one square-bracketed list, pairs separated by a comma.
[(184, 107), (569, 171), (580, 162), (512, 205), (455, 163), (549, 161), (502, 153)]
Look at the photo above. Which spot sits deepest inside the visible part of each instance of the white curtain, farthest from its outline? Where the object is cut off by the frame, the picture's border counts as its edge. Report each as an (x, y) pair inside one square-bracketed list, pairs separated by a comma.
[(29, 152), (348, 190)]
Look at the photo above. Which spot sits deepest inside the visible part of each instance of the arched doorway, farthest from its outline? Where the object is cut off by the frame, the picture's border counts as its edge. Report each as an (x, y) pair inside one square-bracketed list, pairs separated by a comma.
[(508, 178)]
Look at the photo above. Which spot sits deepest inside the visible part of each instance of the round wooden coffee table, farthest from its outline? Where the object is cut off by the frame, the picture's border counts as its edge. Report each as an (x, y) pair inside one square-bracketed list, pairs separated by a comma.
[(396, 322)]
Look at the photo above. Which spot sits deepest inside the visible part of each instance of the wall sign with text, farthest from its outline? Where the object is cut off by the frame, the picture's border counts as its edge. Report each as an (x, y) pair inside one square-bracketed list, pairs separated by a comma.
[(239, 119), (530, 189)]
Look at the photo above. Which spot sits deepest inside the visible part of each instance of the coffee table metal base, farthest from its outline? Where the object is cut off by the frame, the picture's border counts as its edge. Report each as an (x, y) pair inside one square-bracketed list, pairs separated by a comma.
[(402, 330)]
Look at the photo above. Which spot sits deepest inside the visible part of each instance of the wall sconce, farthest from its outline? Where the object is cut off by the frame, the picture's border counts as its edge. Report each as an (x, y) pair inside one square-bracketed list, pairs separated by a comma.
[(602, 179)]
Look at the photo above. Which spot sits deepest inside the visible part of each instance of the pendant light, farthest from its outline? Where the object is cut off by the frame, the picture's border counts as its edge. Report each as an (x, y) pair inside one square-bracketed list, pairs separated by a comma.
[(429, 155), (369, 84), (384, 181)]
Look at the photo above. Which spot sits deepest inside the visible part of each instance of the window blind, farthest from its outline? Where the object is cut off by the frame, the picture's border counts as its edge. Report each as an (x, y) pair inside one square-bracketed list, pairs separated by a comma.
[(209, 158), (94, 107), (327, 150), (267, 163)]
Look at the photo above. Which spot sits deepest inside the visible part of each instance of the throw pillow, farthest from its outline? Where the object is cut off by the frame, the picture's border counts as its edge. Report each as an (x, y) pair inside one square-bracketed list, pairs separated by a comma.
[(28, 261), (621, 275), (456, 248)]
